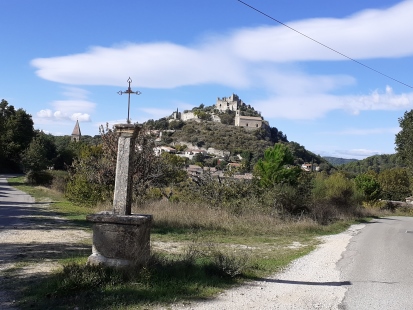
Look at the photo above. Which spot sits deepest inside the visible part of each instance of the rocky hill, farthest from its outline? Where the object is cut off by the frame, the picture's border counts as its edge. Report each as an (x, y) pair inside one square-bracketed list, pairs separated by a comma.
[(209, 128)]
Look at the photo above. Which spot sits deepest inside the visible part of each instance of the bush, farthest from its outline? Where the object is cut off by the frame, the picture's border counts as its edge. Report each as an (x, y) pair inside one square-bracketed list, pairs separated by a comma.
[(229, 263), (39, 178), (335, 189), (83, 192), (60, 179)]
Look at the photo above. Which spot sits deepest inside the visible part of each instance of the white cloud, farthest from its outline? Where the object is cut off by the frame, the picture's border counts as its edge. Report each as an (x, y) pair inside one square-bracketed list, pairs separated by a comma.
[(75, 92), (365, 132), (250, 57), (228, 60), (77, 107), (81, 117), (316, 105), (155, 65), (365, 35), (45, 113), (73, 106)]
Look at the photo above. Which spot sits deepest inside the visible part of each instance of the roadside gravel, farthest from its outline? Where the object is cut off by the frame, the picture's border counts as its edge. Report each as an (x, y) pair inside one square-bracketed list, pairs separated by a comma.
[(310, 282)]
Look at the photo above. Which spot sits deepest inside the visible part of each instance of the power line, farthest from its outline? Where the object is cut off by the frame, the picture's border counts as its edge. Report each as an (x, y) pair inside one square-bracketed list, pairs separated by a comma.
[(308, 37)]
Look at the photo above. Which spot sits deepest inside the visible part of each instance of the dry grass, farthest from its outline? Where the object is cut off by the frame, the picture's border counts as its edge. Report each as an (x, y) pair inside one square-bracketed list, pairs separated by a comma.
[(195, 216)]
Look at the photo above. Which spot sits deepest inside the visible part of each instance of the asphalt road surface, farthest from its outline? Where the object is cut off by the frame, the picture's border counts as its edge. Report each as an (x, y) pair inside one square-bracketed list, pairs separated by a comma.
[(14, 204), (378, 262)]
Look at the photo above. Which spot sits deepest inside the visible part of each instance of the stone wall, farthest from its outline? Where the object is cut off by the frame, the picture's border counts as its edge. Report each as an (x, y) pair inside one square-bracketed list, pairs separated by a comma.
[(228, 103), (188, 116), (248, 122)]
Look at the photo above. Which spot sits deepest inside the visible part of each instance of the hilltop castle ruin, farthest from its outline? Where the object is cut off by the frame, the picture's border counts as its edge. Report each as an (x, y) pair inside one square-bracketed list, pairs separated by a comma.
[(232, 103)]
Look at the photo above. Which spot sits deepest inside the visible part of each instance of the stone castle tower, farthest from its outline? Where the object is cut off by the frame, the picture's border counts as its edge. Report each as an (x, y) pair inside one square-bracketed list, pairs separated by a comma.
[(232, 103), (76, 134)]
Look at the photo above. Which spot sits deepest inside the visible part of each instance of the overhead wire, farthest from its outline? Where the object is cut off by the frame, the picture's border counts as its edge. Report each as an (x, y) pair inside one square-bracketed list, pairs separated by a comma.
[(322, 44)]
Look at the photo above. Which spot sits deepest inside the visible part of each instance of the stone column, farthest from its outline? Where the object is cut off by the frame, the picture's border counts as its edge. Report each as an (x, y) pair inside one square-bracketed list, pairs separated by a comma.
[(122, 197), (121, 239)]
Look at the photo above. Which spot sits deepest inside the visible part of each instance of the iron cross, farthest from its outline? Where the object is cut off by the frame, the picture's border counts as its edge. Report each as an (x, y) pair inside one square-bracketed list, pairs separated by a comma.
[(129, 91)]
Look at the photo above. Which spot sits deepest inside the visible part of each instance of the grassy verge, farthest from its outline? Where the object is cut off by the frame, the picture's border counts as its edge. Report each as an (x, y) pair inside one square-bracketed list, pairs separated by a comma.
[(57, 201), (197, 252)]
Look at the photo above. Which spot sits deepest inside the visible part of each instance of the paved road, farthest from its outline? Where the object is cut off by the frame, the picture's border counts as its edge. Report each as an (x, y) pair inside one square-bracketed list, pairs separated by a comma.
[(379, 264), (14, 204)]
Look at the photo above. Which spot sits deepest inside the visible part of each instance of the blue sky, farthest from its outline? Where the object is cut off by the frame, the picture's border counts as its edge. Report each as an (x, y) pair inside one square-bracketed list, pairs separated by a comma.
[(66, 60)]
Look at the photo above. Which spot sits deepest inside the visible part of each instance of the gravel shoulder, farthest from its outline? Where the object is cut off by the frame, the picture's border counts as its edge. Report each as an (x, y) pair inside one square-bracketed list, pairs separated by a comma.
[(310, 282), (32, 240)]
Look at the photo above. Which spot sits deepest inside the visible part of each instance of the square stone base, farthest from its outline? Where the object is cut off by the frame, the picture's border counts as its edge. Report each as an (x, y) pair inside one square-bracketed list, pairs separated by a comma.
[(120, 240)]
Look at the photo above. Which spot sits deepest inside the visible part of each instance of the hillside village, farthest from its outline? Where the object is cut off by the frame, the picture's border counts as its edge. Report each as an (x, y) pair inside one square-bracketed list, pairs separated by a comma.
[(232, 103), (245, 117), (181, 133)]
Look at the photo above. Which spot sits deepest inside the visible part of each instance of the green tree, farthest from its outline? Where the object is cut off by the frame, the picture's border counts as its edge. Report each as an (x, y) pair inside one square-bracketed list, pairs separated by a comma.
[(276, 166), (16, 127), (368, 185), (336, 189), (395, 184), (92, 175), (34, 158), (40, 153), (228, 117), (404, 140), (205, 116), (246, 161)]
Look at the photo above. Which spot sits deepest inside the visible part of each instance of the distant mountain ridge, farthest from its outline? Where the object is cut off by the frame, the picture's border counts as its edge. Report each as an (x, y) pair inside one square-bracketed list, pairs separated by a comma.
[(336, 161), (376, 163)]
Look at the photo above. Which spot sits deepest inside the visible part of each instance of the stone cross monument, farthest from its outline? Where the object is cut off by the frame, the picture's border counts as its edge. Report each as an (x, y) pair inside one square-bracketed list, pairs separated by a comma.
[(122, 197), (120, 238)]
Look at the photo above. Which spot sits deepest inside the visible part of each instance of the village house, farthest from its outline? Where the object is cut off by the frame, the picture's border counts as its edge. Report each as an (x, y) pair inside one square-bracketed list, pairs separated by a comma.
[(190, 153), (164, 149), (245, 176), (310, 167), (233, 166), (194, 170)]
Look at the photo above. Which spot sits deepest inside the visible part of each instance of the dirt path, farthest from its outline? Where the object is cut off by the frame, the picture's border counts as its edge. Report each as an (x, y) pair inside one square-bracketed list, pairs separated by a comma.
[(32, 239), (311, 282)]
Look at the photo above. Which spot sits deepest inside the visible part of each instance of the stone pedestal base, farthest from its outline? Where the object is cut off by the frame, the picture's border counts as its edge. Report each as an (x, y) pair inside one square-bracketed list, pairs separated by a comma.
[(120, 240)]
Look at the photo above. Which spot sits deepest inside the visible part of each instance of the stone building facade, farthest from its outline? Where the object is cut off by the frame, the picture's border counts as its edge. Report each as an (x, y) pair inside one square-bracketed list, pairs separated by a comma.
[(232, 103), (248, 122)]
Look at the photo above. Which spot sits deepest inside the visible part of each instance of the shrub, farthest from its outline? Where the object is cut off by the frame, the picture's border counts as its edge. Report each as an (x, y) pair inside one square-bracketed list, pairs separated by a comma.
[(60, 179), (83, 192), (39, 178), (368, 185), (332, 197), (230, 263), (335, 189)]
